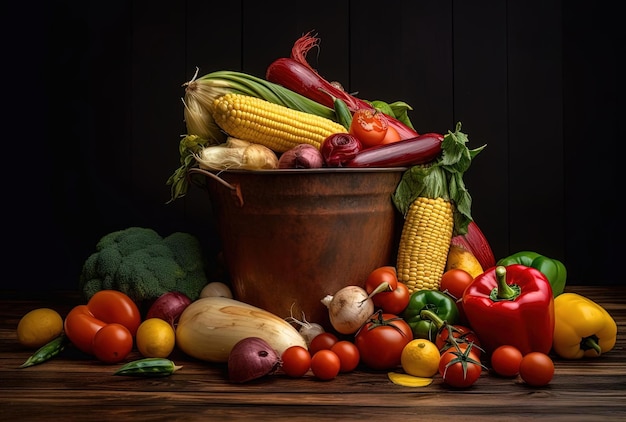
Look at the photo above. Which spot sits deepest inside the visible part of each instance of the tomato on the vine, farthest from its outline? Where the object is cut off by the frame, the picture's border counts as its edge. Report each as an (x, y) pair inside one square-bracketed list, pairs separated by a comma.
[(462, 336), (380, 341), (505, 360), (112, 343), (460, 368), (369, 126), (536, 369), (348, 355), (325, 364), (394, 302), (322, 341), (296, 361)]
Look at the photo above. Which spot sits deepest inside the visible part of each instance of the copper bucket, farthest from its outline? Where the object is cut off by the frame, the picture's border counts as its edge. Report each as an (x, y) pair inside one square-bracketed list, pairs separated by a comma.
[(290, 237)]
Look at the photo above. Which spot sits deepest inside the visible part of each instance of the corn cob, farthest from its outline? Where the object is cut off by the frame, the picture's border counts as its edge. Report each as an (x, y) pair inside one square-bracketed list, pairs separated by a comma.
[(201, 93), (436, 206), (272, 125), (424, 243)]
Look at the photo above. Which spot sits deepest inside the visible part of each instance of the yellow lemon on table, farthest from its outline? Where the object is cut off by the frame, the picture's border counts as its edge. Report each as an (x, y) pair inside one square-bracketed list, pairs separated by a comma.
[(420, 358), (155, 338), (38, 327)]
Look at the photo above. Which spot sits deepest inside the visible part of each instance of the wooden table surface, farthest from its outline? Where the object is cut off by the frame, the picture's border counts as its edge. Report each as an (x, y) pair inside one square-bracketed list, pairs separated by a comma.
[(74, 387)]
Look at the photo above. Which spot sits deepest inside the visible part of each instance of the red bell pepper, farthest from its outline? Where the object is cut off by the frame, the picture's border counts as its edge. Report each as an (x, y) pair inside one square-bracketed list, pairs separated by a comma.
[(511, 305)]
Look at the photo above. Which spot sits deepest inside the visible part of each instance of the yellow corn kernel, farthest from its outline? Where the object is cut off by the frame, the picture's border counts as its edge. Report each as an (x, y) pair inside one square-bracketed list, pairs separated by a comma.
[(272, 125), (424, 243)]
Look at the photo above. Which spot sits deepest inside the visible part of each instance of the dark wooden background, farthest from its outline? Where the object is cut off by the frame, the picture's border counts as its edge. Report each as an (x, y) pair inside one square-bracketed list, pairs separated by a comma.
[(95, 113)]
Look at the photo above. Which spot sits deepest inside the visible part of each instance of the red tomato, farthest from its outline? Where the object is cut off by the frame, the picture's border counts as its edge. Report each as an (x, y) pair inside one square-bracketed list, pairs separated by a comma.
[(296, 361), (379, 276), (112, 343), (394, 302), (115, 306), (454, 282), (536, 369), (463, 337), (459, 369), (369, 126), (322, 341), (348, 355), (80, 327), (391, 136), (381, 340), (325, 364), (505, 360)]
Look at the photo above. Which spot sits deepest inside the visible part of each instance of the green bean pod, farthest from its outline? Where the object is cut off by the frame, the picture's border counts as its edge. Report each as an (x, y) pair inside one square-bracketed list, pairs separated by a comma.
[(47, 351), (344, 116), (148, 367)]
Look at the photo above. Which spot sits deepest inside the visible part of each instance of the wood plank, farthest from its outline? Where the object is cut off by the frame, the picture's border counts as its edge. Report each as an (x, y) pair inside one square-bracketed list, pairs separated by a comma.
[(75, 386)]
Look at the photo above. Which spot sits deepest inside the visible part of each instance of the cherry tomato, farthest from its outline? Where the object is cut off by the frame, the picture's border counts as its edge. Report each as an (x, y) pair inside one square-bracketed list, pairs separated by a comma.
[(325, 364), (348, 355), (454, 281), (115, 306), (380, 341), (296, 361), (81, 326), (391, 136), (322, 341), (505, 360), (394, 302), (380, 275), (459, 368), (369, 126), (536, 369), (112, 343)]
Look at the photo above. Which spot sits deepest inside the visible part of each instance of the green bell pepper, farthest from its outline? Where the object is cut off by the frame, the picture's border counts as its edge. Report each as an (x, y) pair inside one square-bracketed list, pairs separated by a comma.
[(553, 269), (433, 300)]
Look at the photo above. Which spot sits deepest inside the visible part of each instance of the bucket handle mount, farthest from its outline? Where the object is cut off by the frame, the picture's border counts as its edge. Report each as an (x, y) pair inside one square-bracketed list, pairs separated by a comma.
[(235, 189)]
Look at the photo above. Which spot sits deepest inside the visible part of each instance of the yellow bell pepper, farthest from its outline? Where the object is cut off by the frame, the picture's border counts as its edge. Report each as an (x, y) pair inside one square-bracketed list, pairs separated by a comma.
[(582, 327)]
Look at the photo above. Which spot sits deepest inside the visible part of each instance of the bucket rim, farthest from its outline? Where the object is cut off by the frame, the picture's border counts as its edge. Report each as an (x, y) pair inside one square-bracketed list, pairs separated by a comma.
[(321, 170)]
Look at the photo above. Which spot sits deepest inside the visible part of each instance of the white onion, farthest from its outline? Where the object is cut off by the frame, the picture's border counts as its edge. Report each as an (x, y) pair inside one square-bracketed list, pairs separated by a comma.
[(349, 309)]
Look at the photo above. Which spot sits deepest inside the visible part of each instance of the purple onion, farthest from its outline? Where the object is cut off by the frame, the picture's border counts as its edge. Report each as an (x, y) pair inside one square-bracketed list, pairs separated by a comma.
[(340, 148)]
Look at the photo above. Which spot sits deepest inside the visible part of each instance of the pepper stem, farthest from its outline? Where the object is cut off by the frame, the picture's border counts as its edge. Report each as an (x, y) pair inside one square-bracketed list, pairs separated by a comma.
[(591, 343), (433, 317), (504, 291)]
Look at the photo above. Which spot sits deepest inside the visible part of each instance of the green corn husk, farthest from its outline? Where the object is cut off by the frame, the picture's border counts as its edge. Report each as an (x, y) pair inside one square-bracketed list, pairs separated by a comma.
[(200, 93), (202, 131)]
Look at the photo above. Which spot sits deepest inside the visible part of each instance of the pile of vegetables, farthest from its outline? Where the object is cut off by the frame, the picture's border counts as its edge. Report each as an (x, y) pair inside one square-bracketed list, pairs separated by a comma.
[(511, 316)]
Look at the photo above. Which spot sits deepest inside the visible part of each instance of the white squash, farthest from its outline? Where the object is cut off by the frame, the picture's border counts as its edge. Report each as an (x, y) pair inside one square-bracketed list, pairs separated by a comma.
[(209, 328)]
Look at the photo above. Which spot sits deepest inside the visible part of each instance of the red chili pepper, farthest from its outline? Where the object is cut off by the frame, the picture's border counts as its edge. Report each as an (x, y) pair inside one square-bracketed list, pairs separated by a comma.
[(511, 305)]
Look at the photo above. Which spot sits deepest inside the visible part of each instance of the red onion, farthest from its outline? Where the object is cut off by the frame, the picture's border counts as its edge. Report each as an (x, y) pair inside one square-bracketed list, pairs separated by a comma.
[(251, 358), (168, 307), (339, 148), (303, 156)]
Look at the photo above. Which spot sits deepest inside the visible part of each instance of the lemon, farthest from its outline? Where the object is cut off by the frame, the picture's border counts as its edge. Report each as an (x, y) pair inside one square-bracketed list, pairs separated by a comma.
[(420, 358), (155, 338), (39, 327)]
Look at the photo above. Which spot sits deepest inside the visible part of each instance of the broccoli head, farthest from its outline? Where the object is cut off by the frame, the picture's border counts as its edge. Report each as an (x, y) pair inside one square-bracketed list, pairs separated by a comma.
[(144, 265)]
